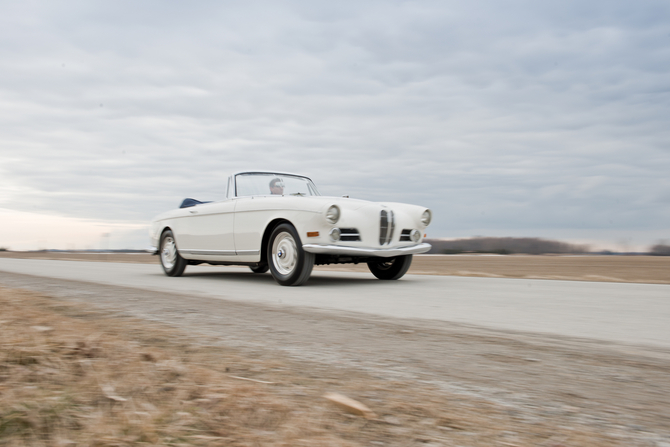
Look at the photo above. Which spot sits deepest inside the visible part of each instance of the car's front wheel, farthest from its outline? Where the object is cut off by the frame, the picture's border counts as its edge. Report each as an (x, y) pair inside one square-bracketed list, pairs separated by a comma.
[(390, 268), (173, 264), (290, 265)]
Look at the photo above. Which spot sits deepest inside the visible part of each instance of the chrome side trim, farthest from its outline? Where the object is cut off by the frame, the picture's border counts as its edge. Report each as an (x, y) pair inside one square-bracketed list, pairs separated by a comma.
[(209, 252), (355, 251), (248, 252), (220, 252)]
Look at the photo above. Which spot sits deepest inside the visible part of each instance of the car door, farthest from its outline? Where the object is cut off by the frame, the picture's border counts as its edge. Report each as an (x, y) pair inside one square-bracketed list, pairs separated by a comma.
[(208, 230), (251, 216)]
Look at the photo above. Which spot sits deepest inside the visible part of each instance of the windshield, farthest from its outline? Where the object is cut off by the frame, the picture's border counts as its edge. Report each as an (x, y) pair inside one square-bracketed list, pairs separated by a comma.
[(273, 184)]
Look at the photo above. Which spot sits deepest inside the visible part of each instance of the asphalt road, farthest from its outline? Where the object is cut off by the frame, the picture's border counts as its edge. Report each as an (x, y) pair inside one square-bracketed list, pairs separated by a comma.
[(628, 313)]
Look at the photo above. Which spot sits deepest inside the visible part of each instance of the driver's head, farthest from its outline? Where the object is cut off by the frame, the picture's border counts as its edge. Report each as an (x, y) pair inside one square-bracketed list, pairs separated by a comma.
[(276, 186)]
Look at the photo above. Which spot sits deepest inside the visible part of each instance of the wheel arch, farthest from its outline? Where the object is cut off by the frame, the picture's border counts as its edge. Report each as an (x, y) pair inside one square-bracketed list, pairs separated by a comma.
[(266, 236), (162, 232), (160, 237)]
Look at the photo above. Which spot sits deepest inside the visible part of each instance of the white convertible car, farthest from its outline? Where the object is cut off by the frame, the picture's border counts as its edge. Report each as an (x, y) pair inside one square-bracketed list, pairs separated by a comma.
[(277, 221)]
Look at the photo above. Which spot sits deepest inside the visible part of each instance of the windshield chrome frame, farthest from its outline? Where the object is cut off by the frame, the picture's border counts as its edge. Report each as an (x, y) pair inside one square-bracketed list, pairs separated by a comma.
[(310, 185)]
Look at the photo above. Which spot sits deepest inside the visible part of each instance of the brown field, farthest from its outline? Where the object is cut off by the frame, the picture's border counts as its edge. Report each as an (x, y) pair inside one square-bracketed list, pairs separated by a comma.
[(640, 269)]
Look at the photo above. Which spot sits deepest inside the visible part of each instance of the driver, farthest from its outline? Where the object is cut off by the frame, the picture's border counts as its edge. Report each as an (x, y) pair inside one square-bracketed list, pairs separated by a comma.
[(277, 186)]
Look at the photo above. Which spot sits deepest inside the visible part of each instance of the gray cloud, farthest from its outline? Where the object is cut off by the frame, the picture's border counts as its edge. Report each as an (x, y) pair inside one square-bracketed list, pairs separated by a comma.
[(503, 117)]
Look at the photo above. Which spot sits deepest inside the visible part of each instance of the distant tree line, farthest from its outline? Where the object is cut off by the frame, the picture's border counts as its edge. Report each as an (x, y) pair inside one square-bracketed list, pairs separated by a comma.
[(504, 246), (660, 250)]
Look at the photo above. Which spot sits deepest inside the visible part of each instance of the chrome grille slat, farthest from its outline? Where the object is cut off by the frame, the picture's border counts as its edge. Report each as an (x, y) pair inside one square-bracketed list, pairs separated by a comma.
[(386, 226), (349, 234), (391, 227)]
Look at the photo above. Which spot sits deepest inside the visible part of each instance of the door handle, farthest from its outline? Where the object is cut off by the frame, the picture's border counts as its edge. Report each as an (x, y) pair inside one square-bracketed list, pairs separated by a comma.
[(193, 211)]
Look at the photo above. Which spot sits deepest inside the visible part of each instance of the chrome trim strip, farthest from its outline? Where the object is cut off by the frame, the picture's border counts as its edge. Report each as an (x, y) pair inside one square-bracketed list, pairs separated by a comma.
[(355, 251), (221, 252), (209, 252), (391, 227)]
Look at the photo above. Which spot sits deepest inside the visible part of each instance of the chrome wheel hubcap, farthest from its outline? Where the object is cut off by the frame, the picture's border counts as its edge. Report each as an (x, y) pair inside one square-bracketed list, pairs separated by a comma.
[(169, 253), (284, 253)]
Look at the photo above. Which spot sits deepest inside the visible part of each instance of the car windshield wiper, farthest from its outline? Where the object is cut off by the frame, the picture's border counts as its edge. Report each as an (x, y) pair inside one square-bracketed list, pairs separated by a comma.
[(298, 194)]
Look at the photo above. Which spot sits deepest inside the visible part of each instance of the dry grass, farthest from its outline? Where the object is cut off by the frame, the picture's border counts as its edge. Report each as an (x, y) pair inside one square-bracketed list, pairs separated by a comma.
[(64, 381), (71, 375), (633, 269)]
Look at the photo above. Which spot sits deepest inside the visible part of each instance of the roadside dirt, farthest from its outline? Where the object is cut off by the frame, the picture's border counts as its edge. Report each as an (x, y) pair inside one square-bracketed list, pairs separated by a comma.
[(180, 363), (638, 269)]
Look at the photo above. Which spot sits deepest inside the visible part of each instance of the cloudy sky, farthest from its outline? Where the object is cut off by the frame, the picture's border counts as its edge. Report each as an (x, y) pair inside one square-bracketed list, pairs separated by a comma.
[(507, 118)]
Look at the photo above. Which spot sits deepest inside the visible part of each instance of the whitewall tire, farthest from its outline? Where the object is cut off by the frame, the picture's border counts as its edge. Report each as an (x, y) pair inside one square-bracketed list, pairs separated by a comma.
[(173, 264), (289, 264)]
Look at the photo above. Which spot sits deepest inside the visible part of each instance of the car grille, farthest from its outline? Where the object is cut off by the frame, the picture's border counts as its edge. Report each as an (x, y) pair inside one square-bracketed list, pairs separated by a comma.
[(404, 236), (386, 226), (349, 234)]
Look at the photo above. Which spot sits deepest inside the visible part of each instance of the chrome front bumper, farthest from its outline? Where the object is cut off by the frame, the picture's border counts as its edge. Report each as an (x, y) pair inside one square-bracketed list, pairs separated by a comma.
[(355, 251)]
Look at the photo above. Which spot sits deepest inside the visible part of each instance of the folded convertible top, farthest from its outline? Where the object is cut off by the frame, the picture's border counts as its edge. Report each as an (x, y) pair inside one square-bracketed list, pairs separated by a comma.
[(187, 203)]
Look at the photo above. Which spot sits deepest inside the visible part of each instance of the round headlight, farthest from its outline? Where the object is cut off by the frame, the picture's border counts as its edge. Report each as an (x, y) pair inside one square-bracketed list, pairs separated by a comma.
[(415, 235), (426, 217), (333, 214), (335, 234)]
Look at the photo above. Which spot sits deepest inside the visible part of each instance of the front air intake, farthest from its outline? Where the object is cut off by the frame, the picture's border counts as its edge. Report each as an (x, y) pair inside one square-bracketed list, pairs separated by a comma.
[(386, 225), (349, 234)]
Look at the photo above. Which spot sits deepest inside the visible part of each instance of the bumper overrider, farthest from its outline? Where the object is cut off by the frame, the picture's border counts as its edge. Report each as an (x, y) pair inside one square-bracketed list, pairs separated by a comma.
[(355, 251)]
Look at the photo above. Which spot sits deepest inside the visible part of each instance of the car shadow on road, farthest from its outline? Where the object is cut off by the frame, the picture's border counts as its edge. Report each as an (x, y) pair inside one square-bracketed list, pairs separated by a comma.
[(316, 279)]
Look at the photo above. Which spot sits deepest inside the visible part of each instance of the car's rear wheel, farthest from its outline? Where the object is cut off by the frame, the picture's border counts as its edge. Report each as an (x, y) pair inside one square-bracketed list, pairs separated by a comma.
[(173, 264), (390, 268), (290, 265), (260, 268)]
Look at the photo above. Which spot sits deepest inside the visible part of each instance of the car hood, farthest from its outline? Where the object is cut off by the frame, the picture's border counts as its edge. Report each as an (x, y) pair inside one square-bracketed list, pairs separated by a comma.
[(353, 204)]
